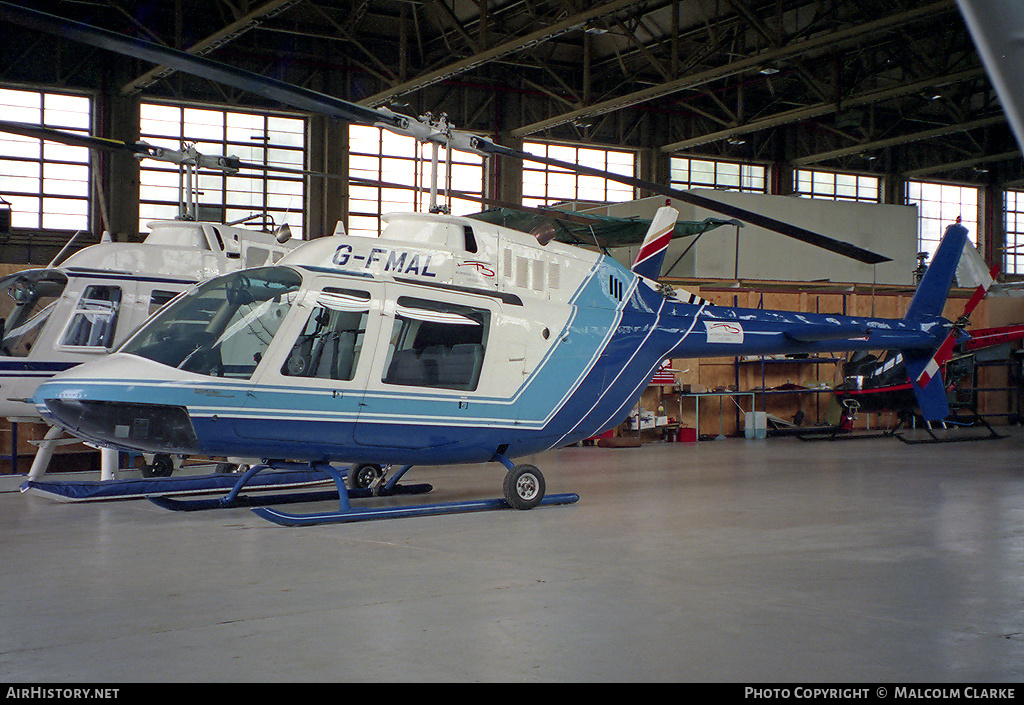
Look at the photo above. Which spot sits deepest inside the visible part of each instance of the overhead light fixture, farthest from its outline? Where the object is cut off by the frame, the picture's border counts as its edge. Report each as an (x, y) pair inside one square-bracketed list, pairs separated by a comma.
[(768, 70)]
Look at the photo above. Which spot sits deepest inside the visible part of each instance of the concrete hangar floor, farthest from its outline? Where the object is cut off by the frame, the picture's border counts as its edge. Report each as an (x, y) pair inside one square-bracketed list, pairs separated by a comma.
[(727, 561)]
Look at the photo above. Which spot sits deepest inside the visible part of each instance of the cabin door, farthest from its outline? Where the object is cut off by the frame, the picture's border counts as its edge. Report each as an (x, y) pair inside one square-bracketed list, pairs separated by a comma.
[(314, 379), (427, 369)]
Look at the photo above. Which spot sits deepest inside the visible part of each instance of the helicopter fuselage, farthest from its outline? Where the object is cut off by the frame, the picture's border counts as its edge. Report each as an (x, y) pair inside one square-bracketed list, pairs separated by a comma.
[(444, 341)]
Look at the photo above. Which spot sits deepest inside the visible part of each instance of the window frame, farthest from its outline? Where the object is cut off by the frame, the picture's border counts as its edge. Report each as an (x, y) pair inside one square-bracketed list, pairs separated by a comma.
[(750, 177), (939, 210), (825, 184), (60, 200), (1013, 229), (275, 138), (81, 312), (379, 155), (545, 185), (434, 313)]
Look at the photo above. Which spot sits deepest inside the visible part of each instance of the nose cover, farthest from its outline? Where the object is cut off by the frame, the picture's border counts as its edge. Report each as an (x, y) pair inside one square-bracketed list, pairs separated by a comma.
[(155, 428)]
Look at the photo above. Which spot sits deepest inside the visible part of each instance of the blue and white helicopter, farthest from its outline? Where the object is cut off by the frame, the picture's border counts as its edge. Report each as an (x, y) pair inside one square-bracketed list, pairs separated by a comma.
[(442, 342), (445, 341)]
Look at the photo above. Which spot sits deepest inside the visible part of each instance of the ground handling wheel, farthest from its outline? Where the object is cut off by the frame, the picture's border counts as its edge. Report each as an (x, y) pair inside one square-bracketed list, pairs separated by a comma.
[(523, 487), (360, 477), (162, 466)]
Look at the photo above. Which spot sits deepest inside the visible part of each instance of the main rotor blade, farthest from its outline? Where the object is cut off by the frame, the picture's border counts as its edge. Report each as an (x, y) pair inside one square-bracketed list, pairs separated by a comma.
[(758, 219), (312, 101), (265, 86), (72, 139)]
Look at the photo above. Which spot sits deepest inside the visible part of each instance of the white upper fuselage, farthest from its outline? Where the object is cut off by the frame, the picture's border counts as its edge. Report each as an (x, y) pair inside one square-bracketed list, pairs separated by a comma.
[(453, 251)]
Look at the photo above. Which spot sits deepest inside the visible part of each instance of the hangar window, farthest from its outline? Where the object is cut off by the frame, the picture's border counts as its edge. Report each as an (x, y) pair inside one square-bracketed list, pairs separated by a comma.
[(46, 183), (837, 186), (436, 344), (1014, 263), (689, 173), (274, 139), (545, 185), (938, 206), (379, 155)]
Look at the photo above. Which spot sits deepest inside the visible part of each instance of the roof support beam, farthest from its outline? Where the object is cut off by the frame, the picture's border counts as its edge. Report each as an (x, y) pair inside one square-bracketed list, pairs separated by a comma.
[(205, 46), (736, 67), (893, 141), (813, 111), (495, 53)]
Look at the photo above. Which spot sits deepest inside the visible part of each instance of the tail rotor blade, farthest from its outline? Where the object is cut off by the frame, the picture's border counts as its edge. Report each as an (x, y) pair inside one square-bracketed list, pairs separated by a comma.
[(945, 350)]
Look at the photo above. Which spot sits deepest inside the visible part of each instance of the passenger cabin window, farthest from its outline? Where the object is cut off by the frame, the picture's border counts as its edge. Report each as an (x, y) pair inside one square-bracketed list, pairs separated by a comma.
[(331, 340), (436, 344), (223, 327), (95, 319)]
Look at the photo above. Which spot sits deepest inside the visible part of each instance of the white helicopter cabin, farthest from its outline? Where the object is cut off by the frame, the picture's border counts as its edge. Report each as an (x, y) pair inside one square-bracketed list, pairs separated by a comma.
[(449, 286), (424, 306), (56, 317)]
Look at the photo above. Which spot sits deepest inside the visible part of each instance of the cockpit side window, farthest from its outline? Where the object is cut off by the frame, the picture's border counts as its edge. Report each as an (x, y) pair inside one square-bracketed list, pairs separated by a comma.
[(223, 327), (436, 344), (95, 320), (26, 301), (330, 343)]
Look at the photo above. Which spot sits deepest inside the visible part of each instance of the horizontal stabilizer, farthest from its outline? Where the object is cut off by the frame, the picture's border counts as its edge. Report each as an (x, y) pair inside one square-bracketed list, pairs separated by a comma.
[(987, 337), (811, 332)]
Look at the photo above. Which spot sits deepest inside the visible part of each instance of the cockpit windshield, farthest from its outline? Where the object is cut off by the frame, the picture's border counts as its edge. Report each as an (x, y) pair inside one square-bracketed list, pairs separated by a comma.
[(223, 327), (26, 301)]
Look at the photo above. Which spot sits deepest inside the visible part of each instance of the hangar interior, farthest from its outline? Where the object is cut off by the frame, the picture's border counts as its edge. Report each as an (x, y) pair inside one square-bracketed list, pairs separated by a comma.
[(870, 122)]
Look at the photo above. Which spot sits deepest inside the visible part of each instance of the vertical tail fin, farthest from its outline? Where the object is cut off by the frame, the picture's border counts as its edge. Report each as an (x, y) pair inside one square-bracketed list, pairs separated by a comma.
[(929, 389), (930, 297), (923, 366), (652, 252)]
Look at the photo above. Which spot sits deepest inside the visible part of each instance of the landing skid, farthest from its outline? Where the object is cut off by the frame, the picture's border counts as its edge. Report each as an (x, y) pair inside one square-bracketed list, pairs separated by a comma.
[(838, 434), (974, 420), (523, 487), (349, 515)]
